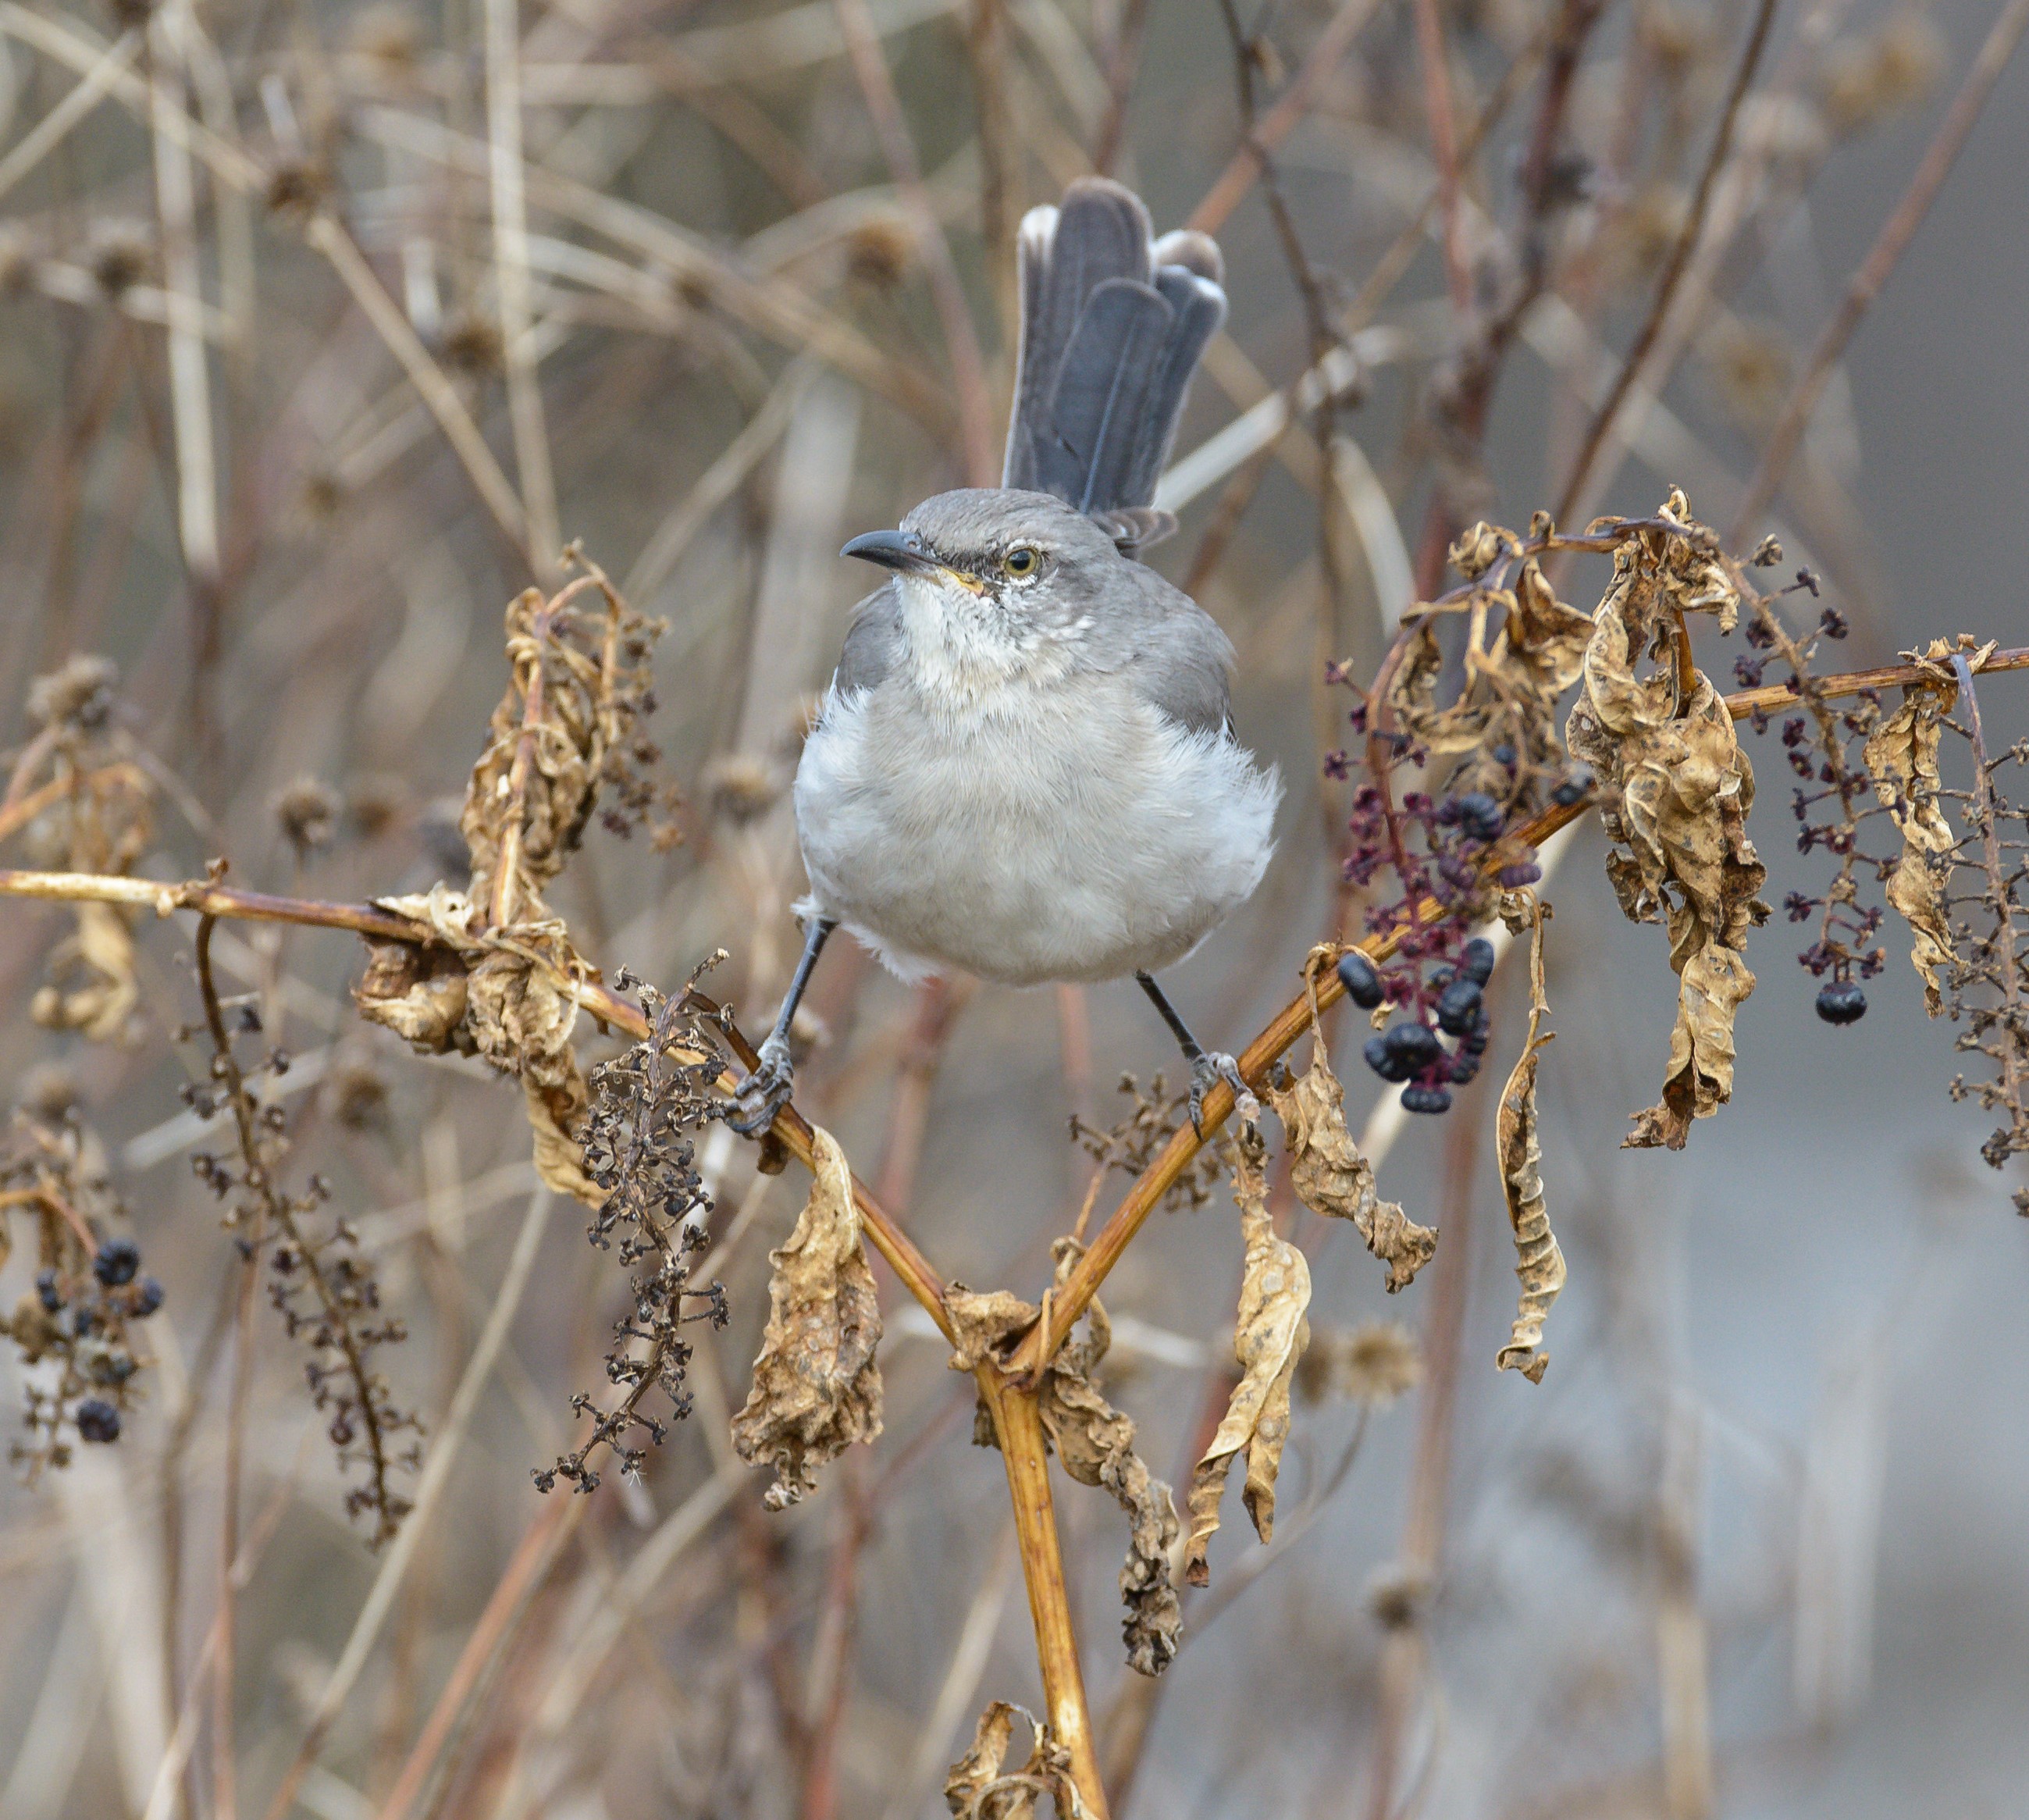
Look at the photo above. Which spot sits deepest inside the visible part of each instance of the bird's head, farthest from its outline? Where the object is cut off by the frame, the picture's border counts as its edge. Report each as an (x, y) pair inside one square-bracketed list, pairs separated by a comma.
[(1018, 567)]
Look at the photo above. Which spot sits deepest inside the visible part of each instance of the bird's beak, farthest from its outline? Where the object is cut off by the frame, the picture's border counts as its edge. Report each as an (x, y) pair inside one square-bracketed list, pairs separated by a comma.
[(897, 550), (904, 552)]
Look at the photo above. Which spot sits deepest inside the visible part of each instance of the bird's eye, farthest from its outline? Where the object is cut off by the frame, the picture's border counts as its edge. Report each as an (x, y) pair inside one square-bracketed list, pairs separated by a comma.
[(1022, 562)]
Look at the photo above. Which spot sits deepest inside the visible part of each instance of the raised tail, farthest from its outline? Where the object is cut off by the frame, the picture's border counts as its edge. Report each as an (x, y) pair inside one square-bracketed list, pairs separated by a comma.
[(1113, 322)]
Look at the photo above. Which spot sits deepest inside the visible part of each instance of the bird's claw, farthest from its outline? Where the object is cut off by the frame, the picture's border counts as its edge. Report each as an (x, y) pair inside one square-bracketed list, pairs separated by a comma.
[(1207, 1071), (764, 1093)]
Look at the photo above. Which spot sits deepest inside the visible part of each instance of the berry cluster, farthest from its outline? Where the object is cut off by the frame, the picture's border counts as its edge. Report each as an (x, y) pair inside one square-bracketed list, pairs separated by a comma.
[(1410, 1050), (1832, 797), (645, 1104), (78, 1319)]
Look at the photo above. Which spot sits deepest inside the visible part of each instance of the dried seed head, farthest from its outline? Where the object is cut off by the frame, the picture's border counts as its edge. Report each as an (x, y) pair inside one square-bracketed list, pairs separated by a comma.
[(376, 803), (79, 695), (119, 255), (472, 344), (1398, 1596), (1375, 1363), (880, 252), (307, 811), (742, 788), (357, 1093), (49, 1093), (1870, 79), (389, 35), (1751, 363)]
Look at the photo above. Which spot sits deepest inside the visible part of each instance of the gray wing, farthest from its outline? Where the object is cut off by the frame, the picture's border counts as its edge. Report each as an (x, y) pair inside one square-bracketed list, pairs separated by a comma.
[(1173, 652), (872, 641)]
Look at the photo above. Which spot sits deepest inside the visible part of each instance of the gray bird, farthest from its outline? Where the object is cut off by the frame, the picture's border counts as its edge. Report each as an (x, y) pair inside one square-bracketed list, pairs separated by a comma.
[(1025, 766)]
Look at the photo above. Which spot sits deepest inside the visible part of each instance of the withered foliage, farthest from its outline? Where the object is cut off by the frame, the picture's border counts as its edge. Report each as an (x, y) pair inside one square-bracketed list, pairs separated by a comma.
[(1269, 1336), (1331, 1177), (1538, 1263), (1524, 647), (76, 1327), (92, 811), (977, 1787), (1675, 790), (646, 1103), (1134, 1141), (1902, 758), (817, 1381), (503, 980), (1987, 986), (1095, 1443), (319, 1281), (1476, 729)]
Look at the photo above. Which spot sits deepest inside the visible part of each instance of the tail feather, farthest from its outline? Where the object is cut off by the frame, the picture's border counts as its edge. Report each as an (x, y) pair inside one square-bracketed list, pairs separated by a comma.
[(1112, 328)]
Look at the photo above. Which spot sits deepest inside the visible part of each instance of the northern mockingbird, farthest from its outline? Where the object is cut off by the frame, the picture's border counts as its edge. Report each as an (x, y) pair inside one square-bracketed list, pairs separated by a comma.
[(1025, 766)]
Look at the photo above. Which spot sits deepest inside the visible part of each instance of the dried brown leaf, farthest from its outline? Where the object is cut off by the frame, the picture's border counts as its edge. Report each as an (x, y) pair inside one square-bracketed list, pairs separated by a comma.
[(91, 987), (975, 1788), (1901, 759), (1095, 1443), (817, 1383), (1538, 1263), (1332, 1177), (1676, 789), (1269, 1337)]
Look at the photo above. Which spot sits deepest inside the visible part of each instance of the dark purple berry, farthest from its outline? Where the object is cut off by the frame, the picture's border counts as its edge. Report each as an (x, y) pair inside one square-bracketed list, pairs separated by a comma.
[(1384, 1061), (1413, 1045), (1458, 1007), (1574, 788), (1504, 754), (147, 1298), (1422, 1099), (1514, 877), (1362, 983), (1476, 960), (1842, 1002), (117, 1260), (1480, 816), (45, 1288), (98, 1420)]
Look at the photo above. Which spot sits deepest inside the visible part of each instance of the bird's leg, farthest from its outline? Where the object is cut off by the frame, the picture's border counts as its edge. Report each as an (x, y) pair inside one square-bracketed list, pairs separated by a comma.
[(1207, 1066), (765, 1092)]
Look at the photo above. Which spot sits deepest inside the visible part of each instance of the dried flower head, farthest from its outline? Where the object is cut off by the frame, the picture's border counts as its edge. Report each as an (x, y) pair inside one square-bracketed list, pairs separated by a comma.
[(307, 811), (1374, 1363)]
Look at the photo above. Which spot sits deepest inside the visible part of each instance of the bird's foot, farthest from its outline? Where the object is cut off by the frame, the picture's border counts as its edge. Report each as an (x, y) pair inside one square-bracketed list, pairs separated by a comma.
[(764, 1093), (1207, 1071)]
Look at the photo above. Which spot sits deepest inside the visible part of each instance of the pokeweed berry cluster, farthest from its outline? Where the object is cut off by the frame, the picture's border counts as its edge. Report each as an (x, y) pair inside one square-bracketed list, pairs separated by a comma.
[(78, 1319), (1833, 795), (1410, 1050)]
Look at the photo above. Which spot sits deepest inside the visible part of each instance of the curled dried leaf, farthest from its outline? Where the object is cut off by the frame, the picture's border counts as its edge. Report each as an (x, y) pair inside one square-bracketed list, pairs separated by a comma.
[(509, 995), (817, 1383), (92, 988), (976, 1788), (1901, 759), (1515, 677), (1676, 790), (1095, 1443), (1331, 1177), (1269, 1337), (1538, 1263)]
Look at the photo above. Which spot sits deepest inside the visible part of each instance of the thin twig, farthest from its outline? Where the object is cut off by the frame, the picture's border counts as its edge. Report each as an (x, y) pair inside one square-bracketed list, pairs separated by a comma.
[(975, 408), (1433, 59), (1888, 247), (1607, 417), (510, 256), (1247, 164), (430, 1484)]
